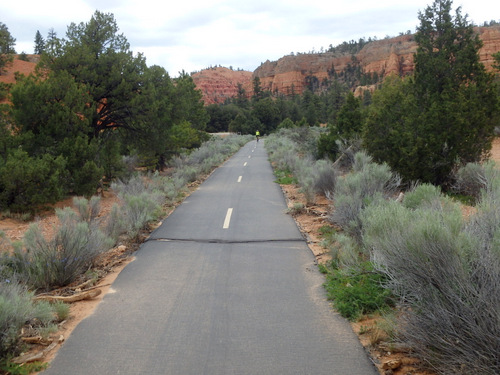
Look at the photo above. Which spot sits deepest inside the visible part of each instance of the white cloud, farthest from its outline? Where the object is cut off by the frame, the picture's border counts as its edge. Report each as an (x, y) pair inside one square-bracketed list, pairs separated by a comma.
[(193, 34)]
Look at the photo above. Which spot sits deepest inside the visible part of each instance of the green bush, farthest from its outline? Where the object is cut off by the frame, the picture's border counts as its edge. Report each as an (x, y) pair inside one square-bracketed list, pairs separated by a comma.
[(422, 196), (286, 123), (357, 292), (328, 145), (27, 183), (86, 179)]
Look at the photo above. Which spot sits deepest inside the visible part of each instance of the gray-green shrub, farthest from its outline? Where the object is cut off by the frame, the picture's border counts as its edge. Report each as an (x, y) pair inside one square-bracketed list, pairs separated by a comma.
[(306, 175), (345, 251), (135, 185), (294, 150), (476, 179), (448, 274), (142, 196), (115, 224), (422, 195), (356, 190), (4, 242), (16, 309), (57, 261), (88, 209), (326, 177), (138, 210), (347, 150)]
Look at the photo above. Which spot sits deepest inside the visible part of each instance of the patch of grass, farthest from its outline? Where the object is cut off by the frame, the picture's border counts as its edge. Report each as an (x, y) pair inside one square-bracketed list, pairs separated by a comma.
[(467, 200), (284, 177), (9, 368), (364, 329), (61, 310), (21, 216), (328, 234), (46, 331), (297, 209), (322, 268), (357, 292)]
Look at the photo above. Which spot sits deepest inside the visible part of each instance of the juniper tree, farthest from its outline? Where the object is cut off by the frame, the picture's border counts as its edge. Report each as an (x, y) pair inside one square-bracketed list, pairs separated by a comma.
[(454, 93), (451, 114)]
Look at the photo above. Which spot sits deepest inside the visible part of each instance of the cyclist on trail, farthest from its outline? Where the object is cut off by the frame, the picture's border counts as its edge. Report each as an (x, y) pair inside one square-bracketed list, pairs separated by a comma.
[(257, 135)]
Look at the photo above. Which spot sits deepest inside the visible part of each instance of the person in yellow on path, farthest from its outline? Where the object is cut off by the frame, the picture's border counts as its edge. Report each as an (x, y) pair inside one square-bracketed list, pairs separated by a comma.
[(257, 135)]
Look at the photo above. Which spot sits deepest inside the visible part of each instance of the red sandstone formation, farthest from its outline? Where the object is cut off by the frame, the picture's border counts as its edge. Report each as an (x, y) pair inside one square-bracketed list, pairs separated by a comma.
[(288, 74), (219, 84), (394, 55)]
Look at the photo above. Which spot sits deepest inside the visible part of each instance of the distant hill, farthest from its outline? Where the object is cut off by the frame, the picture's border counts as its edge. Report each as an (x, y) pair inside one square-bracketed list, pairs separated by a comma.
[(218, 84), (21, 66), (292, 73)]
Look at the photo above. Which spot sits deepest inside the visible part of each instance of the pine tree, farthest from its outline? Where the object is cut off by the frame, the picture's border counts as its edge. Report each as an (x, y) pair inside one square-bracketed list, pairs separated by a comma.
[(39, 43), (7, 43)]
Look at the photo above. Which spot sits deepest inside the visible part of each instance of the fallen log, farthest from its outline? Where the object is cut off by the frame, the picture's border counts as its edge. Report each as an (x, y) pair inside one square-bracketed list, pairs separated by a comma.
[(89, 294), (35, 356)]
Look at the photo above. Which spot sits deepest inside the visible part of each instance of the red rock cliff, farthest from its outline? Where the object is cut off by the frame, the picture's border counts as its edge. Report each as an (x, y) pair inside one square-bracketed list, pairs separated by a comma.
[(394, 55), (219, 84)]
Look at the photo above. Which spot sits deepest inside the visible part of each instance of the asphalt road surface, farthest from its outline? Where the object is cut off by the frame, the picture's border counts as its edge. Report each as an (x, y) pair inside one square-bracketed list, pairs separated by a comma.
[(226, 285)]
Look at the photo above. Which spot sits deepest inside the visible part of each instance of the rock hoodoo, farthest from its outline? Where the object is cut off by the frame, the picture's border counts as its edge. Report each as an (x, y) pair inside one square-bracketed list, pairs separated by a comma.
[(219, 84)]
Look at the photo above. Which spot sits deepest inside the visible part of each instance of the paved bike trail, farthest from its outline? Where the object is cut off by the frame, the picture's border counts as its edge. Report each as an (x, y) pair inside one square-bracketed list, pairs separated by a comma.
[(226, 285)]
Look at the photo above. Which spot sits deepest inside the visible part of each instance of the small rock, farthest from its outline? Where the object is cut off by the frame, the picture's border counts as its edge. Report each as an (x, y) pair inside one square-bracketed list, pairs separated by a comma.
[(392, 364)]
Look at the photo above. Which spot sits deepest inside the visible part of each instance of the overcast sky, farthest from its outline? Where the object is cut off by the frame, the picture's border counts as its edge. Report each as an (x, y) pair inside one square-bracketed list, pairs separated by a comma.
[(191, 35)]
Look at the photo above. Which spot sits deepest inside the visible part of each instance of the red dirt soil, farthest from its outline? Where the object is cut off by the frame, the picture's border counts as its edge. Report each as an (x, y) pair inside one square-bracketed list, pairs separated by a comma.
[(20, 66)]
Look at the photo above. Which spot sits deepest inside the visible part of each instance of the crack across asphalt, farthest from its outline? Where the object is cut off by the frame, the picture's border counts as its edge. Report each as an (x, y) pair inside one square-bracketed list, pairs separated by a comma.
[(221, 241)]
